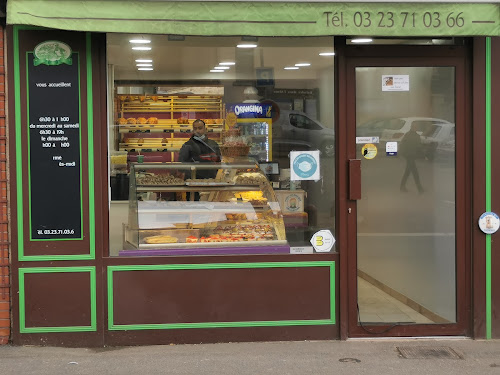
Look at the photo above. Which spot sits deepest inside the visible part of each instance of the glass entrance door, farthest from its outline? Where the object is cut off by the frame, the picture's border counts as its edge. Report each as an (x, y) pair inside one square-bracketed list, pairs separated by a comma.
[(409, 272)]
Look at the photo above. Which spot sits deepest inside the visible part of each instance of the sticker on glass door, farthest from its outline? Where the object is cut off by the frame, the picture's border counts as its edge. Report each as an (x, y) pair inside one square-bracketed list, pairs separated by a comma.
[(369, 151)]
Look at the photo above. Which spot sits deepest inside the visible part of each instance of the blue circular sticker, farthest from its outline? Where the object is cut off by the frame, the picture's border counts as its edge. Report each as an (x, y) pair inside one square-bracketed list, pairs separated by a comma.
[(305, 166)]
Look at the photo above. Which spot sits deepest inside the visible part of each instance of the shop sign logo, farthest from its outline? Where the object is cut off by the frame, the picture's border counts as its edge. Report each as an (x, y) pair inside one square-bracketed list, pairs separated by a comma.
[(305, 166), (52, 52)]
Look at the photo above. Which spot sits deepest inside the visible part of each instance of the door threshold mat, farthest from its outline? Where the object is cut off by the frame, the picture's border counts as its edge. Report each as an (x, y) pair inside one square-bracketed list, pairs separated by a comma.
[(428, 352)]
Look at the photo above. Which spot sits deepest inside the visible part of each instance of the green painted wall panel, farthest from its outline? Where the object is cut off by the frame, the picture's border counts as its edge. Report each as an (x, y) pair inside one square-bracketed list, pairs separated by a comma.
[(111, 270)]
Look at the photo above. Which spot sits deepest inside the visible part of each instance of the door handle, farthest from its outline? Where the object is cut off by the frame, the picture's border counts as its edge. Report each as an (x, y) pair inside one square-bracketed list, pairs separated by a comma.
[(354, 170)]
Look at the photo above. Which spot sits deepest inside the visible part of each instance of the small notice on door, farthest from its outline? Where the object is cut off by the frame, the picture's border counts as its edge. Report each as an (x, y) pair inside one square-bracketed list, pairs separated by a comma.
[(395, 83), (391, 148)]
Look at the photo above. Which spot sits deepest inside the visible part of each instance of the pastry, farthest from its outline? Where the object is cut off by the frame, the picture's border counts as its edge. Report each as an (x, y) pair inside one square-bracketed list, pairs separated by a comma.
[(131, 120), (191, 239), (161, 239)]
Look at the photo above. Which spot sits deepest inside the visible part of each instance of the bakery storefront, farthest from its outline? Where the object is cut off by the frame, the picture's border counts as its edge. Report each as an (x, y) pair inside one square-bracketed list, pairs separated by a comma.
[(342, 204)]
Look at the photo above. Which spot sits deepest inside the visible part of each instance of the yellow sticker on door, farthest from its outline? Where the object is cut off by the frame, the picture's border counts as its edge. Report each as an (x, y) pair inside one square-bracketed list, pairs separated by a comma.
[(369, 151)]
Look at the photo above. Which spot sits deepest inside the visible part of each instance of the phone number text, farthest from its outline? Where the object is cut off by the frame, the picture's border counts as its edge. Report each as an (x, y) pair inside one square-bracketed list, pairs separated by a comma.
[(391, 19), (55, 231)]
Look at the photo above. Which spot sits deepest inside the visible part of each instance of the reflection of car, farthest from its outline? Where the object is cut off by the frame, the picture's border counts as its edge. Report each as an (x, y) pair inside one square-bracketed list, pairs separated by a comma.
[(433, 131), (295, 131), (439, 140)]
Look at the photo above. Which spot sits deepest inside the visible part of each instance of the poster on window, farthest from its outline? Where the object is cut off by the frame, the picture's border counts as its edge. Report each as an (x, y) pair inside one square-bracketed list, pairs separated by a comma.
[(304, 165), (395, 83)]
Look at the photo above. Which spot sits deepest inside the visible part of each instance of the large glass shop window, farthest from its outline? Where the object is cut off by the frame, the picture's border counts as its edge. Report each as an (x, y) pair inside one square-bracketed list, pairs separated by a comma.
[(254, 176)]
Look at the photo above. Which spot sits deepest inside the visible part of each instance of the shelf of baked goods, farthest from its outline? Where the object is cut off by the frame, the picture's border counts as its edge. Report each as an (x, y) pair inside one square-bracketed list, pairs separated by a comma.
[(155, 125), (206, 188), (231, 232), (152, 144), (162, 103), (196, 227)]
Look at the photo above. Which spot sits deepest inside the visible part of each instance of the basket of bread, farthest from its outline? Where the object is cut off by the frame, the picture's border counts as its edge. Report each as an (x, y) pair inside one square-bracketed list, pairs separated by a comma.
[(234, 146)]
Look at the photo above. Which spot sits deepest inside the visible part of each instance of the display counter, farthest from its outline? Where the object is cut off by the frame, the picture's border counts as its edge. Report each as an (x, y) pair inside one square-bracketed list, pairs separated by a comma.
[(233, 210)]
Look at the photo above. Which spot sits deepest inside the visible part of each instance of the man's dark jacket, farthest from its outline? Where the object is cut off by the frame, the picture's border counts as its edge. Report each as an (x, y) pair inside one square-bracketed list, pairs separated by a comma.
[(200, 150)]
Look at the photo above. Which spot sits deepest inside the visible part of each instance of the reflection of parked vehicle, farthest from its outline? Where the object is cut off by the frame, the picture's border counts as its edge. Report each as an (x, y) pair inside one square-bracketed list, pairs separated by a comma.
[(433, 131), (295, 131), (439, 140)]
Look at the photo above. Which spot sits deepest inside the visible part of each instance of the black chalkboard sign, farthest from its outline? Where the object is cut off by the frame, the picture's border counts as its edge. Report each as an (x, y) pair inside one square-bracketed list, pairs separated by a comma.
[(54, 148)]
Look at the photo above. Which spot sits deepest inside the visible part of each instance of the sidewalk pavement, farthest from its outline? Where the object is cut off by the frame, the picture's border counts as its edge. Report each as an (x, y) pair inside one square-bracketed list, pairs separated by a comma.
[(385, 356)]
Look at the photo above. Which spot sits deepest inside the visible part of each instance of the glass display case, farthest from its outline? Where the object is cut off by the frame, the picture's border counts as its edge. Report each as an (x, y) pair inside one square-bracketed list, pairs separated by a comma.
[(202, 208)]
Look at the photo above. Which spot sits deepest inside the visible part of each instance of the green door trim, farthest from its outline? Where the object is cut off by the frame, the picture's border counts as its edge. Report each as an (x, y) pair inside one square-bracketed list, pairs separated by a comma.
[(488, 186)]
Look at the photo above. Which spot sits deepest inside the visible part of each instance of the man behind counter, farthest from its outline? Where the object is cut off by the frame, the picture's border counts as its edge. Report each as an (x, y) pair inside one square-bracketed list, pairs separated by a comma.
[(200, 149)]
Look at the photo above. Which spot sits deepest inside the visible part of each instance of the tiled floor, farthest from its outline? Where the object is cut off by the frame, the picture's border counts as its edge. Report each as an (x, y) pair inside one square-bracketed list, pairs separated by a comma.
[(375, 306)]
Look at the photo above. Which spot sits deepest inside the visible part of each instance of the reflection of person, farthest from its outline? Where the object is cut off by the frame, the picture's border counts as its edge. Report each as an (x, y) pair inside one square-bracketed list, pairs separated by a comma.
[(200, 149), (410, 149)]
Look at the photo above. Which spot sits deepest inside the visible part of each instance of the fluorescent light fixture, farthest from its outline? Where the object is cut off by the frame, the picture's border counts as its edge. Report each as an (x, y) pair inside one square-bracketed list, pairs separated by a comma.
[(144, 64), (140, 48), (327, 54), (361, 40), (216, 71), (291, 67), (227, 63), (303, 64), (222, 67), (140, 41), (144, 61), (144, 68), (247, 45)]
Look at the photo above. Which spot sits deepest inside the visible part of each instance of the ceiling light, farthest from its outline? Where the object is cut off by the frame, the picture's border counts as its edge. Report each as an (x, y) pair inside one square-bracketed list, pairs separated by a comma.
[(140, 41), (291, 67), (144, 68), (144, 60), (144, 64), (327, 54), (246, 45), (303, 64), (142, 48), (227, 63), (216, 71), (361, 40), (222, 67)]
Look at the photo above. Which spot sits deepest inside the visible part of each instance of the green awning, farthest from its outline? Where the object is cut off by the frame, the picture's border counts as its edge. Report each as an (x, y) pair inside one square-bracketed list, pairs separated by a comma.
[(260, 18)]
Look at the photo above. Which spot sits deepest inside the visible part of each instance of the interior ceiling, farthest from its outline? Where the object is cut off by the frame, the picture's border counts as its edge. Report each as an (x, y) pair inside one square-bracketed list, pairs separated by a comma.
[(192, 59)]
